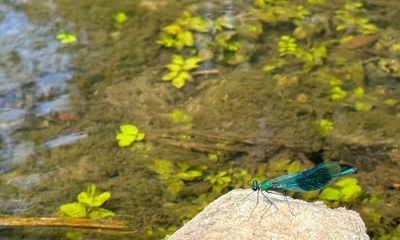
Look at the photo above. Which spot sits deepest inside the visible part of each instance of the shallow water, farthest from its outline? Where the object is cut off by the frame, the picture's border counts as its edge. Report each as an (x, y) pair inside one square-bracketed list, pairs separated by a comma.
[(62, 106)]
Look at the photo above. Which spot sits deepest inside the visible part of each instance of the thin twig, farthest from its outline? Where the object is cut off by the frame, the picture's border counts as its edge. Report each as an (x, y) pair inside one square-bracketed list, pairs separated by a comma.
[(64, 222), (206, 72)]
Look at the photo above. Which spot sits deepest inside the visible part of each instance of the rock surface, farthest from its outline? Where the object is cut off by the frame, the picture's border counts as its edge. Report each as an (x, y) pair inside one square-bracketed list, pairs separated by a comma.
[(229, 217)]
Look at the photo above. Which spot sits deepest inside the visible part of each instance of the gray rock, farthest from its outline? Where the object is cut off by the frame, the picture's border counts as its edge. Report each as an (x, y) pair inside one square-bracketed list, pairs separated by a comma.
[(229, 217)]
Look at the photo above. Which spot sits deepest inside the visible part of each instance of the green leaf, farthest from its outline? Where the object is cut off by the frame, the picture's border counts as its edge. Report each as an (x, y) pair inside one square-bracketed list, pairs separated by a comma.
[(198, 24), (166, 41), (325, 127), (191, 63), (346, 182), (178, 116), (186, 38), (175, 186), (99, 199), (189, 175), (358, 92), (169, 76), (172, 29), (180, 80), (173, 67), (140, 136), (391, 102), (330, 194), (75, 210), (124, 140), (350, 192), (337, 93), (128, 129), (66, 38), (177, 59), (213, 157), (294, 167), (162, 167), (362, 106), (100, 213), (84, 198), (120, 17)]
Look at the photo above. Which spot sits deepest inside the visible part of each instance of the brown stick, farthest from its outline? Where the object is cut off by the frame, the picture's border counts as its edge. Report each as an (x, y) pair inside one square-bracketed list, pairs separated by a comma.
[(206, 72), (64, 222)]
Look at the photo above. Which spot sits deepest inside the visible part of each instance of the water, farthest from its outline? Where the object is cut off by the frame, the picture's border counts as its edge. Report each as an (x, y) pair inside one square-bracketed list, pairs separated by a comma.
[(32, 69), (62, 106)]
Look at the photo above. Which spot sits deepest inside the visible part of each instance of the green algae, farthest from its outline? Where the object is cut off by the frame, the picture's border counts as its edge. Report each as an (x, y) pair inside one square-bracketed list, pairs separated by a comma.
[(259, 115)]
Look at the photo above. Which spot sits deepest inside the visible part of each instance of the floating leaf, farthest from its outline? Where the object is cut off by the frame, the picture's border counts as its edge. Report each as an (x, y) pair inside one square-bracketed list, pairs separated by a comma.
[(125, 140), (175, 186), (66, 38), (358, 92), (179, 81), (294, 167), (75, 210), (100, 213), (173, 67), (99, 199), (330, 194), (169, 76), (166, 41), (337, 93), (350, 192), (186, 38), (140, 136), (84, 198), (325, 127), (198, 24), (213, 156), (346, 182), (191, 63), (172, 29), (120, 17), (128, 129), (189, 175), (178, 116), (163, 168), (362, 106), (178, 60)]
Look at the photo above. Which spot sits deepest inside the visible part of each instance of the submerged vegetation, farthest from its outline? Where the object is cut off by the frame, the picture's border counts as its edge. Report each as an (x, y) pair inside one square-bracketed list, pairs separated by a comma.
[(309, 80), (128, 134), (88, 205)]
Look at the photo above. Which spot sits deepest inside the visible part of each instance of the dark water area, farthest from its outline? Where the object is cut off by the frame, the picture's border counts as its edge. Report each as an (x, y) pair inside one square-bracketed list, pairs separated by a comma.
[(169, 104)]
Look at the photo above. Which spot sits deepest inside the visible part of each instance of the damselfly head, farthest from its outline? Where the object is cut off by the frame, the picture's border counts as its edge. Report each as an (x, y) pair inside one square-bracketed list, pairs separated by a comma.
[(254, 185)]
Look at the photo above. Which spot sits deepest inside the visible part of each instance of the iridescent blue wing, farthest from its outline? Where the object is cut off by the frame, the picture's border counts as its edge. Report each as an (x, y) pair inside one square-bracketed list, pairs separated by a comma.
[(312, 179)]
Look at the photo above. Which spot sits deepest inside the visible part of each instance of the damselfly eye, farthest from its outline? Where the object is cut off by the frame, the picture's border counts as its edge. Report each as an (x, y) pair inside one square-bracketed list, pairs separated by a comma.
[(254, 185)]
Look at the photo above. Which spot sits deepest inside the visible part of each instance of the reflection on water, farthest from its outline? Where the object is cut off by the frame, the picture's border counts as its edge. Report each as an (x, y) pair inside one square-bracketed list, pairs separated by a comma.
[(33, 74)]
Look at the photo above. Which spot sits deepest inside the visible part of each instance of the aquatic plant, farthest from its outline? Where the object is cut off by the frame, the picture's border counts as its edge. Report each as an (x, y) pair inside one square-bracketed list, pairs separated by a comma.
[(129, 134), (347, 19), (119, 17), (178, 116), (160, 231), (345, 190), (287, 46), (276, 11), (213, 157), (66, 38), (179, 70), (224, 180), (174, 177), (337, 93), (325, 127), (362, 106), (179, 35), (88, 205)]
